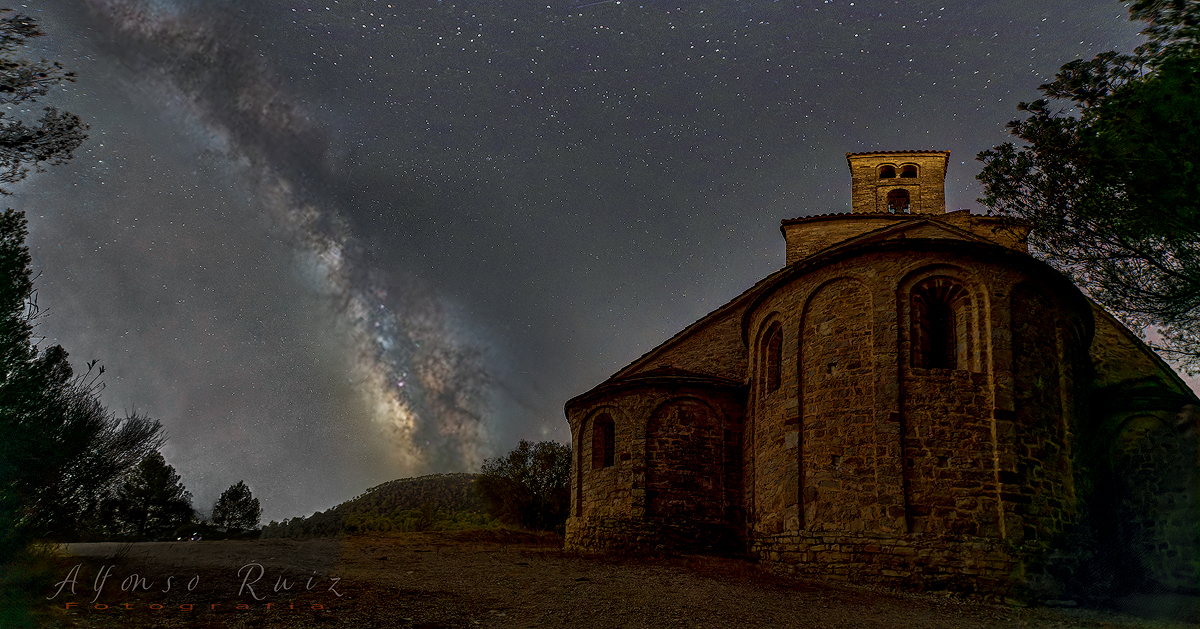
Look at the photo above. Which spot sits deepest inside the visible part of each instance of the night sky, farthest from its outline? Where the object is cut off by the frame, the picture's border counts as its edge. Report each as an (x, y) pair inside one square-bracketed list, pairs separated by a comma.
[(332, 244)]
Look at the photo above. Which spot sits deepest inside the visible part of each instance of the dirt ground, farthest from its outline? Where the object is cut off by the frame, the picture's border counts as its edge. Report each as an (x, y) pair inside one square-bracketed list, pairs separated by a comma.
[(475, 579)]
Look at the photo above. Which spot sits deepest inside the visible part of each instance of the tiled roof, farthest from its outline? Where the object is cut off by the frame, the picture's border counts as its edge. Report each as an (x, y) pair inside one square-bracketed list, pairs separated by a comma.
[(894, 153), (911, 215)]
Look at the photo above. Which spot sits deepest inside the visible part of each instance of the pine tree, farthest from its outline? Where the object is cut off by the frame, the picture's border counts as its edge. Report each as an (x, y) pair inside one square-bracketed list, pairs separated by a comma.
[(151, 502), (237, 509)]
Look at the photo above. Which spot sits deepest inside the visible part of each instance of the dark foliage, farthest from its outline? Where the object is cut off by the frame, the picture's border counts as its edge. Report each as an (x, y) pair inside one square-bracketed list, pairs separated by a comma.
[(237, 509), (530, 486), (151, 502), (436, 501), (447, 492), (106, 448), (61, 451), (55, 136), (60, 448), (1110, 188)]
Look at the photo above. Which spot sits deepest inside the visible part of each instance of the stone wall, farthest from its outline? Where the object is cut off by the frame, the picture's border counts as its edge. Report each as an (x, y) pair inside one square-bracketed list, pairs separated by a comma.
[(980, 566), (1155, 506), (908, 411), (1141, 444), (927, 191), (676, 479), (950, 487), (712, 345), (1037, 475), (963, 461), (1000, 231), (808, 235)]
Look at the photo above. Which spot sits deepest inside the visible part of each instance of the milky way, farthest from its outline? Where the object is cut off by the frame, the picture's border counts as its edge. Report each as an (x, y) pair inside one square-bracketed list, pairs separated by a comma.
[(335, 243), (422, 380)]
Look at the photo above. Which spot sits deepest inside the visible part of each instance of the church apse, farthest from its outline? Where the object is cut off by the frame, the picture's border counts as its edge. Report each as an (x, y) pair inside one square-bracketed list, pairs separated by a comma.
[(910, 400)]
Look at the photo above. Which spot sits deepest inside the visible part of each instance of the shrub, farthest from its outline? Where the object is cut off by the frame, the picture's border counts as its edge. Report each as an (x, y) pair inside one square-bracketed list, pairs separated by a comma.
[(530, 486)]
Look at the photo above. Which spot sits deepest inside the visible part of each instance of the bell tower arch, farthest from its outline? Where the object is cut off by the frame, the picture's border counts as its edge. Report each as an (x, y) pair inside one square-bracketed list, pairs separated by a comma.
[(899, 182)]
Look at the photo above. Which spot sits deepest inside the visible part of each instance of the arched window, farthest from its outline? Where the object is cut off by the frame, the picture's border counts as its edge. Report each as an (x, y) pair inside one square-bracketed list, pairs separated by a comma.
[(908, 171), (897, 201), (772, 358), (603, 442), (940, 307), (887, 172)]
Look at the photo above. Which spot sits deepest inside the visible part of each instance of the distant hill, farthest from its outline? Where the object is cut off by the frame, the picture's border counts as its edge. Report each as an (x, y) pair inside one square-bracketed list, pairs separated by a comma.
[(436, 501), (449, 492)]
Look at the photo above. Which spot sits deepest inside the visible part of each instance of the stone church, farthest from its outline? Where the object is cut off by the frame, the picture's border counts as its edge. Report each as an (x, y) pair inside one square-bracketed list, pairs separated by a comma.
[(912, 400)]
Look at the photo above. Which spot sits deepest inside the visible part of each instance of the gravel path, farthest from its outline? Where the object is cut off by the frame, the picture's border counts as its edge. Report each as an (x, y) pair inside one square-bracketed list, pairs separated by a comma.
[(504, 580)]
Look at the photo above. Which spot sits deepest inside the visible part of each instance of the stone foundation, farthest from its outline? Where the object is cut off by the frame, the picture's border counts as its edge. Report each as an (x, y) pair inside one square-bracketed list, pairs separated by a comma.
[(972, 566), (649, 536)]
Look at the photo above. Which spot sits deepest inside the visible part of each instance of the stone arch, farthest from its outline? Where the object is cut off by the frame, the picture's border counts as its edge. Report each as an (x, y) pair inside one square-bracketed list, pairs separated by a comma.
[(948, 447), (887, 171), (909, 171), (836, 438), (1153, 505), (958, 331), (765, 406), (769, 355), (940, 324), (587, 472), (898, 201), (685, 462)]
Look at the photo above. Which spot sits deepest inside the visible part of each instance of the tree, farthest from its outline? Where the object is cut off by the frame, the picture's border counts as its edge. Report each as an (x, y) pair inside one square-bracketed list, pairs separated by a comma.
[(57, 134), (59, 447), (1110, 188), (151, 501), (61, 450), (67, 499), (236, 509), (531, 486)]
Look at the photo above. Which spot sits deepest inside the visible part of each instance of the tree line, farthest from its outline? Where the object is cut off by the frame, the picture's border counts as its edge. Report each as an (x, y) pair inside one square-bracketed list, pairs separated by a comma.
[(529, 487), (70, 469), (432, 502)]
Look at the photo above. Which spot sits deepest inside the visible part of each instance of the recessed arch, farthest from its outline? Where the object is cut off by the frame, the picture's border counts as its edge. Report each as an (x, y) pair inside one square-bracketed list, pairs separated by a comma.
[(595, 444), (908, 171), (953, 330), (835, 401), (947, 419), (685, 460), (771, 358), (887, 171), (940, 312)]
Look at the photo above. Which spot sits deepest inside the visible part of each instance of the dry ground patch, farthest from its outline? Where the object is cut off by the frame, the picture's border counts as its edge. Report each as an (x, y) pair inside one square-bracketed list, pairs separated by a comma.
[(473, 579)]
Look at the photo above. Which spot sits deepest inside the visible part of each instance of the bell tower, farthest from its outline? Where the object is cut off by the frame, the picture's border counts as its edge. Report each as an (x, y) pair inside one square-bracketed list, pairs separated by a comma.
[(899, 182)]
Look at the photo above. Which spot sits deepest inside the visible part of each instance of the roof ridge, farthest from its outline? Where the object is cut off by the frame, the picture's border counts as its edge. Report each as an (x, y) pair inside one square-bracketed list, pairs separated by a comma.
[(695, 325), (898, 152)]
